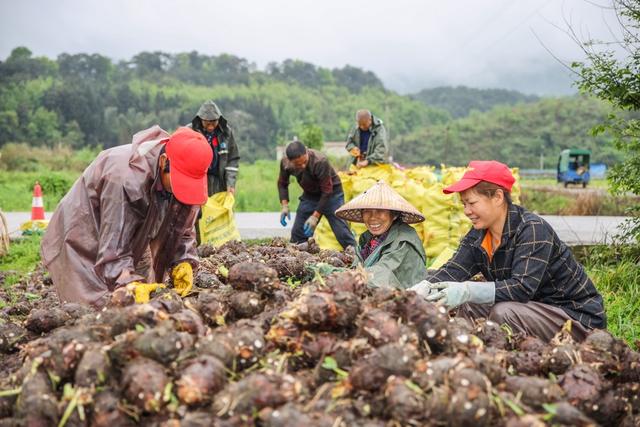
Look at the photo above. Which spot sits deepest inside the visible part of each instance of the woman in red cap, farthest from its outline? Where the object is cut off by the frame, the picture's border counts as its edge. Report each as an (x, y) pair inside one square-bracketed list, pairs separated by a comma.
[(533, 282)]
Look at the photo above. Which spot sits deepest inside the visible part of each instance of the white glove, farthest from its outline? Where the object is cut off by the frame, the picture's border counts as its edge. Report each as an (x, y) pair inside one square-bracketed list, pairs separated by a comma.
[(421, 288), (454, 294)]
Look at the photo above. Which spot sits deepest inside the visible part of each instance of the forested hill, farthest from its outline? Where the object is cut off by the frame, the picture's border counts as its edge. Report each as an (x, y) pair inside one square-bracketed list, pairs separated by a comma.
[(89, 100), (461, 100)]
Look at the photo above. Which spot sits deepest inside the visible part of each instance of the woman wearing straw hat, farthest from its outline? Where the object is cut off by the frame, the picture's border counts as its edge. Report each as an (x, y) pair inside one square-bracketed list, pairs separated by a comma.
[(533, 282), (390, 249)]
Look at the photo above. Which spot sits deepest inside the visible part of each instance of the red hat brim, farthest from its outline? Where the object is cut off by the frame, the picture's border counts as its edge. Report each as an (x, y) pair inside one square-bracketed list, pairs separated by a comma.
[(462, 185), (187, 189)]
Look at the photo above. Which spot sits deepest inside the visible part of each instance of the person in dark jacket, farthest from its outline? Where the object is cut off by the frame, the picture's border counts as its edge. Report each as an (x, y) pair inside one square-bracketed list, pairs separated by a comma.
[(532, 281), (322, 194), (129, 219), (367, 141), (223, 170), (390, 250)]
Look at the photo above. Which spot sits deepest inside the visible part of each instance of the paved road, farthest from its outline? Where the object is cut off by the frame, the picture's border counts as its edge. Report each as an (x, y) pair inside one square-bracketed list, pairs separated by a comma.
[(573, 230)]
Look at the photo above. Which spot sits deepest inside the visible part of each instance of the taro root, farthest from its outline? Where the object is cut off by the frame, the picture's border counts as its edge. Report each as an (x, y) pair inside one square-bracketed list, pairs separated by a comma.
[(107, 411), (492, 334), (37, 403), (437, 405), (133, 317), (212, 308), (631, 367), (207, 280), (246, 304), (162, 343), (469, 406), (371, 372), (581, 384), (11, 334), (240, 345), (354, 281), (535, 391), (533, 344), (42, 320), (144, 381), (527, 420), (404, 400), (93, 369), (434, 372), (254, 392), (285, 334), (567, 414), (56, 356), (75, 310), (327, 311), (492, 363), (168, 301), (379, 327), (188, 321), (558, 359), (122, 297), (203, 377), (316, 346), (288, 266), (468, 377), (604, 351), (609, 409), (525, 362), (253, 276), (430, 320)]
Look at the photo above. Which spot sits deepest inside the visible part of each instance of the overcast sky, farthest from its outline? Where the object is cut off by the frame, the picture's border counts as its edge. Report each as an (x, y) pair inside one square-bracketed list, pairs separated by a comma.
[(409, 44)]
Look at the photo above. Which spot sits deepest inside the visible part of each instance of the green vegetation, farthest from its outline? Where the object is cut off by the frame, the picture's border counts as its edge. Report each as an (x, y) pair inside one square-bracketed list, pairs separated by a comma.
[(617, 81), (516, 135), (614, 270), (461, 100)]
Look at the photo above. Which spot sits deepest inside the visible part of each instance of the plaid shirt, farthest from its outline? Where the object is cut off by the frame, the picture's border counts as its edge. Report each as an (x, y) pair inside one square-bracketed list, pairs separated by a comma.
[(372, 244), (531, 264)]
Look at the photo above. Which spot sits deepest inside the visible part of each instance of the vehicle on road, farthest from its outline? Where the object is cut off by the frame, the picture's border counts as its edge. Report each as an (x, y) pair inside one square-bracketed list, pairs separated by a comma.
[(573, 167)]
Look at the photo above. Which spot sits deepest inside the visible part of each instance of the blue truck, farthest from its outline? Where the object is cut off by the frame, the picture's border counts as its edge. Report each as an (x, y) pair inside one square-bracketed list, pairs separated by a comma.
[(573, 167)]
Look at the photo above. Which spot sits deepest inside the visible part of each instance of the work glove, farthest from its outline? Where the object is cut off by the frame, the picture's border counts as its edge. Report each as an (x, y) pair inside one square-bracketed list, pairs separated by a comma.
[(142, 291), (421, 288), (355, 152), (310, 225), (284, 215), (182, 275), (453, 294)]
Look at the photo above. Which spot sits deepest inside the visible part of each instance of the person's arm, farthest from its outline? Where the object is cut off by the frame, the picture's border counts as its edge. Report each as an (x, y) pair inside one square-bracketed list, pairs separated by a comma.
[(185, 250), (119, 221), (283, 183), (351, 140), (534, 246), (383, 272), (233, 162), (462, 265), (323, 172), (380, 150)]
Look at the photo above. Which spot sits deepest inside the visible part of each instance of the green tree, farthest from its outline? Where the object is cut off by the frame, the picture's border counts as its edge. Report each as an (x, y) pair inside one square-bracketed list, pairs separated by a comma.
[(618, 82), (311, 135)]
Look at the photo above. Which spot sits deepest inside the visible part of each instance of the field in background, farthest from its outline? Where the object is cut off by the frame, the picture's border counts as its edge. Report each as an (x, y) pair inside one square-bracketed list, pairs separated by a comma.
[(257, 192)]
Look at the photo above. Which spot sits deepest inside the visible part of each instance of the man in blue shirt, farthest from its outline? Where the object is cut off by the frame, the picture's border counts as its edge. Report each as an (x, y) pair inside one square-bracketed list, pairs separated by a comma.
[(367, 141)]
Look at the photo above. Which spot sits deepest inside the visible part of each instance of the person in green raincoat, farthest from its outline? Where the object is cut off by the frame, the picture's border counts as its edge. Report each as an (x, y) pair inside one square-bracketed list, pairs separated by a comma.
[(390, 250)]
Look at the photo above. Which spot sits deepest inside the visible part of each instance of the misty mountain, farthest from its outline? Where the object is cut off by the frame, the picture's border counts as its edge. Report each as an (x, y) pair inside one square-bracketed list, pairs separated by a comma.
[(461, 100)]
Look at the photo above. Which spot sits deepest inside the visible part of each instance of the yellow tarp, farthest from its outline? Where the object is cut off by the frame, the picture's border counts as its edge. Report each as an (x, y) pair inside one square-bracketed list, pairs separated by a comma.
[(218, 225)]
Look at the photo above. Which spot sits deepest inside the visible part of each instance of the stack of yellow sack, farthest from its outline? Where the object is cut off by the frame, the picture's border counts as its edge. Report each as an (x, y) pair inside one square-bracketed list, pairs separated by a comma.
[(445, 222)]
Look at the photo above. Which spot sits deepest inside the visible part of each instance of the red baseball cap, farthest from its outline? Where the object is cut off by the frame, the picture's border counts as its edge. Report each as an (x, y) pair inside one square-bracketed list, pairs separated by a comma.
[(483, 170), (189, 156)]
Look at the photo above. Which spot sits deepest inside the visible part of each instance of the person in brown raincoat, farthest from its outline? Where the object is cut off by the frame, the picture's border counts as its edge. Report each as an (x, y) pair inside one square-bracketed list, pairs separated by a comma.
[(129, 219)]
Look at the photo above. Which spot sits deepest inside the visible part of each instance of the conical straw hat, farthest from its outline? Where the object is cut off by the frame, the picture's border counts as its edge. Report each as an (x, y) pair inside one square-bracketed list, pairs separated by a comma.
[(379, 196)]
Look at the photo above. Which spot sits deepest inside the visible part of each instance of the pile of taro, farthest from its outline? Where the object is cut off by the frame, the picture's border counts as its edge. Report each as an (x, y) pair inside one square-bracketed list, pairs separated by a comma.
[(267, 339)]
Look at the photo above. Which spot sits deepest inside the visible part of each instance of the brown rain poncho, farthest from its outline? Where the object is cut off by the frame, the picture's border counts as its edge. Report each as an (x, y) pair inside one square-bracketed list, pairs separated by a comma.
[(115, 227)]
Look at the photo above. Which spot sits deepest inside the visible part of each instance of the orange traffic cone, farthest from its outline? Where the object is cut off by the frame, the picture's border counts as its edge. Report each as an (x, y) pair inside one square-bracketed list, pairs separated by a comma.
[(37, 206)]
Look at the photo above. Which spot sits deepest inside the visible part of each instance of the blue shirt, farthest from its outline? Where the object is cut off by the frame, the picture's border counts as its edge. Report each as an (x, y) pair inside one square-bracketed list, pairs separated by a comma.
[(364, 140)]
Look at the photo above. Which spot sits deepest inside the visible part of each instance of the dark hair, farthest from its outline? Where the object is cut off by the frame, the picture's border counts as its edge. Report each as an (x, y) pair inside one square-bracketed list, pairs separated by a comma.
[(167, 167), (488, 189), (295, 149)]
